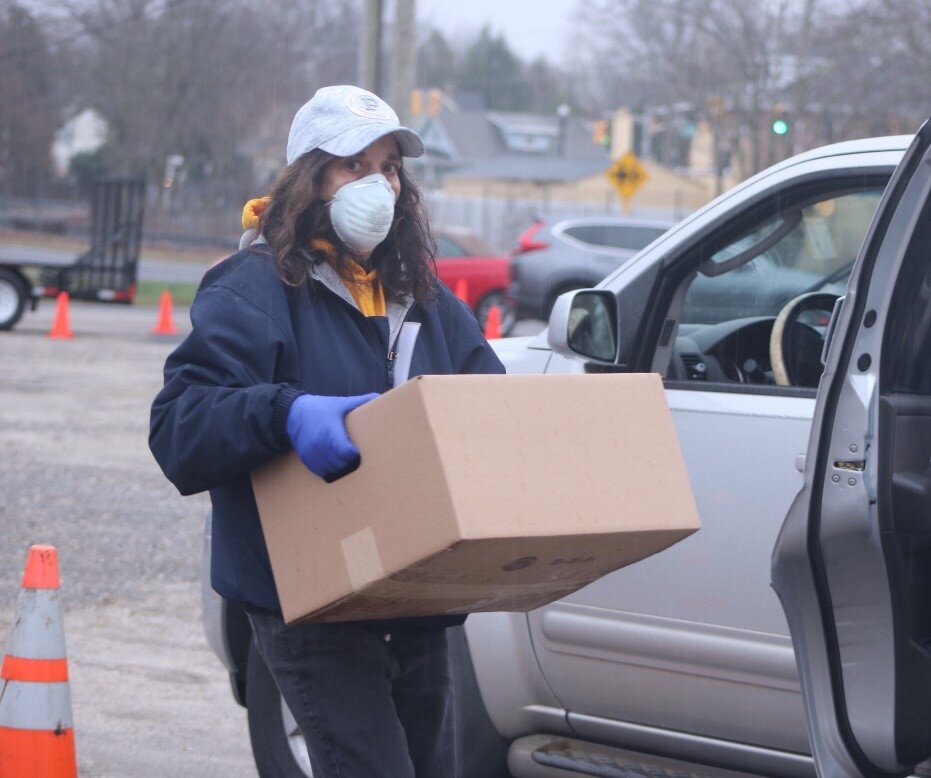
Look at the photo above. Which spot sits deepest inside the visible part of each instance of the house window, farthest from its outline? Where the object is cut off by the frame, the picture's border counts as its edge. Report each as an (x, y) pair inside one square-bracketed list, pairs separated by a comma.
[(527, 142)]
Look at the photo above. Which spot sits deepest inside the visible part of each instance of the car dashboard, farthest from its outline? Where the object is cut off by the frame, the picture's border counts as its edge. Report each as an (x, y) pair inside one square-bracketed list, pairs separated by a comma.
[(735, 351)]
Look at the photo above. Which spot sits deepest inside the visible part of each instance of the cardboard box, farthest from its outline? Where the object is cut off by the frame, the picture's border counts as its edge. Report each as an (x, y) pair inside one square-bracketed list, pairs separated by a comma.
[(479, 493)]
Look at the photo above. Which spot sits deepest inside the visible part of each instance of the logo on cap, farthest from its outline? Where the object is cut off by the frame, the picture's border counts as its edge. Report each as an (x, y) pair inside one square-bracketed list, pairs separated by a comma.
[(368, 106)]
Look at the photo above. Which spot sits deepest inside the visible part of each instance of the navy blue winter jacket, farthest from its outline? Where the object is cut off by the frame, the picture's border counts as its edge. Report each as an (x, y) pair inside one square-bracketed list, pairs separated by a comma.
[(256, 346)]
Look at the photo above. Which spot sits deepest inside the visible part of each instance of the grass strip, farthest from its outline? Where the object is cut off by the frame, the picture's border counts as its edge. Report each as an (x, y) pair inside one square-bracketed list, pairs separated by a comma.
[(150, 293)]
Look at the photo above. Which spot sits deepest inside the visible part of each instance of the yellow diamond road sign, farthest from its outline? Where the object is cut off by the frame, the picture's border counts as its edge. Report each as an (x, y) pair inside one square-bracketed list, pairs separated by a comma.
[(627, 175)]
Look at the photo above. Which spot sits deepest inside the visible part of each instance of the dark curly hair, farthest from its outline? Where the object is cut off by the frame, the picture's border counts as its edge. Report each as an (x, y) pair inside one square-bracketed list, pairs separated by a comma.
[(296, 214)]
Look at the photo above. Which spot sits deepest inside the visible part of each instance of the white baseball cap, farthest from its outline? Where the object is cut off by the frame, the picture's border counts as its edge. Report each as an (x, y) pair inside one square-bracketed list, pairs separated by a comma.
[(343, 120)]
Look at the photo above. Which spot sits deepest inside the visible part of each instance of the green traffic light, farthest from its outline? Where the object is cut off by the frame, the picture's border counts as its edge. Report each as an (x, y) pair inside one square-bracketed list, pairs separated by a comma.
[(780, 127)]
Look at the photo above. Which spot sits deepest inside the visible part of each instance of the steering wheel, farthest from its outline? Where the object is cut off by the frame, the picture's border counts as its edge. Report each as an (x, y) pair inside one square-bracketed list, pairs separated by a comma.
[(795, 346)]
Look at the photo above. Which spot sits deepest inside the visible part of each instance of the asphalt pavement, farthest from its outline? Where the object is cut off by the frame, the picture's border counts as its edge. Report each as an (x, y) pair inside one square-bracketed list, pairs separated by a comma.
[(160, 270)]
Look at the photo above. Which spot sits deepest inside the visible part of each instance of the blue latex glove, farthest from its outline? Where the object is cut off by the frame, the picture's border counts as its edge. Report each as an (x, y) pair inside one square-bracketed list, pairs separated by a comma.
[(317, 430)]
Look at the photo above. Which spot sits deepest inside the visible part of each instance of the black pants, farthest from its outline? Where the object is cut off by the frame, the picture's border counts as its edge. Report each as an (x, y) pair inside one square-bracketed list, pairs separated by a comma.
[(368, 703)]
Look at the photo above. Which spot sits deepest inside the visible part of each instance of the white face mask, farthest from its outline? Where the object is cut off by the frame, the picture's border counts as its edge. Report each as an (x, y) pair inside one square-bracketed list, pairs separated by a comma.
[(362, 212)]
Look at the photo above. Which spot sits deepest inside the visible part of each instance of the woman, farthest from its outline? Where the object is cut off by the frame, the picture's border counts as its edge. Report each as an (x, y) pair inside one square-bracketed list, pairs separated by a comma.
[(289, 335)]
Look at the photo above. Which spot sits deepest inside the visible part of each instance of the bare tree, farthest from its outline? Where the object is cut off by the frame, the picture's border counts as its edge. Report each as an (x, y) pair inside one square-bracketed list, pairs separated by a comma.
[(875, 76), (28, 107), (200, 78), (728, 62)]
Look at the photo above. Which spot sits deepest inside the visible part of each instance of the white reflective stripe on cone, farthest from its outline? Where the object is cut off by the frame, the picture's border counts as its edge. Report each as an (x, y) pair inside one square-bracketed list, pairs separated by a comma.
[(38, 632), (28, 705)]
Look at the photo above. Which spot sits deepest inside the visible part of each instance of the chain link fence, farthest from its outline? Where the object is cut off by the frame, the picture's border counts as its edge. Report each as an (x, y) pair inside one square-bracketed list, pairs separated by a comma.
[(498, 221)]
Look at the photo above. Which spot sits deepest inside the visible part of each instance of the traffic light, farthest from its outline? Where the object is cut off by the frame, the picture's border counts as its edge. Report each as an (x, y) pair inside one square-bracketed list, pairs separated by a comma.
[(433, 99), (601, 132), (781, 125), (717, 107), (434, 102)]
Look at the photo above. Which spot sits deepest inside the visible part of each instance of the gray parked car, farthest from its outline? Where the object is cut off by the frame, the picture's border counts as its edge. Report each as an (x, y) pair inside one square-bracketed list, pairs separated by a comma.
[(688, 663), (556, 255)]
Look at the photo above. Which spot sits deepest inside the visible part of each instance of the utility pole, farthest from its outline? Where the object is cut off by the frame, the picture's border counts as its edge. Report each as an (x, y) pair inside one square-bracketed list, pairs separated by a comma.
[(562, 123), (402, 58), (370, 70)]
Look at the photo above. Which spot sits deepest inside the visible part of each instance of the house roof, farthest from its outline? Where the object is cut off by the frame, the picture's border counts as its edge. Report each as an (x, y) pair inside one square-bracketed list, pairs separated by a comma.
[(469, 100), (509, 145), (469, 134)]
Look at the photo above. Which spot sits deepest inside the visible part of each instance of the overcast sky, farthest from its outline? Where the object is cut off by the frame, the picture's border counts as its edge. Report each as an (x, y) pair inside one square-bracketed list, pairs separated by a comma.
[(532, 27)]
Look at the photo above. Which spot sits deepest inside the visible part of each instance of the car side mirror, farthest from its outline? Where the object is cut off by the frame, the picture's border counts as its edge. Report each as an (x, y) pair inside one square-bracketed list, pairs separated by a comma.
[(584, 323)]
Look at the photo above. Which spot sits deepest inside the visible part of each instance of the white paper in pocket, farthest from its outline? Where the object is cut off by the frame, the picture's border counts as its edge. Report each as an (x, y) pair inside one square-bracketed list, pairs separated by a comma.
[(407, 339)]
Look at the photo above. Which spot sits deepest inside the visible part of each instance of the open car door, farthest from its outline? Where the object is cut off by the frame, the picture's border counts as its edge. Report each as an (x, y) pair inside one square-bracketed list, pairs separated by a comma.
[(852, 563)]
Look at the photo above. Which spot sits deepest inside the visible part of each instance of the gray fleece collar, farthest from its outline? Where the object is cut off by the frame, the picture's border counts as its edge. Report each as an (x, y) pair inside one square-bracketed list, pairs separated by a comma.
[(323, 273), (326, 275)]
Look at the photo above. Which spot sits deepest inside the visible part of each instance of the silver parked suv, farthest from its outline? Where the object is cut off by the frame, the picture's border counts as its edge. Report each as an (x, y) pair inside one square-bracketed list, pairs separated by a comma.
[(811, 478), (556, 255)]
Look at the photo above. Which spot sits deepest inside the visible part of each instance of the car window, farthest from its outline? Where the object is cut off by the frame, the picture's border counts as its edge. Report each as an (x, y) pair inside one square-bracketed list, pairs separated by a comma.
[(591, 234), (906, 367), (617, 236), (448, 248), (737, 323), (629, 237)]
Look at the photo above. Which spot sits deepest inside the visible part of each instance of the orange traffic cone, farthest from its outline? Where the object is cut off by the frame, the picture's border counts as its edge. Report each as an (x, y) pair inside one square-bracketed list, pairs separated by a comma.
[(61, 328), (493, 323), (36, 730), (165, 325), (462, 290)]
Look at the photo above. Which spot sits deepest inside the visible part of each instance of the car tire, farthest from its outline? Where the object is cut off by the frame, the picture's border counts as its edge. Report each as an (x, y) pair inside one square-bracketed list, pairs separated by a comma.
[(506, 308), (273, 738), (14, 294)]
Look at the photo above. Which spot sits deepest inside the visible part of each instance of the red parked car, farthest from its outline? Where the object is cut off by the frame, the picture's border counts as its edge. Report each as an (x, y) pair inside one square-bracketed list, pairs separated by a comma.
[(462, 255)]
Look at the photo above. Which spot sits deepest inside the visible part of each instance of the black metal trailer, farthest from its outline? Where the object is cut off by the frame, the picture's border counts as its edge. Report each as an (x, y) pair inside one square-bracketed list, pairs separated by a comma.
[(106, 272)]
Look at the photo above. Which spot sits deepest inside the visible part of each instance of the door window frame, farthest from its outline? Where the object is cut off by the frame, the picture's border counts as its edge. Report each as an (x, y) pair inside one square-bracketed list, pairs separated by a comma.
[(678, 269), (903, 349), (840, 361)]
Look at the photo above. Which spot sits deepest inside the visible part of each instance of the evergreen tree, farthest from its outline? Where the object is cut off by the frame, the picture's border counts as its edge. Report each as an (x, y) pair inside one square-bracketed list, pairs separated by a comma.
[(547, 87), (490, 67), (437, 64)]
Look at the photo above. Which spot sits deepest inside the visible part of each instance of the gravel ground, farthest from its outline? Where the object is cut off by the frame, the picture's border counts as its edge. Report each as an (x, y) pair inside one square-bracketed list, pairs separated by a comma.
[(149, 697), (77, 471)]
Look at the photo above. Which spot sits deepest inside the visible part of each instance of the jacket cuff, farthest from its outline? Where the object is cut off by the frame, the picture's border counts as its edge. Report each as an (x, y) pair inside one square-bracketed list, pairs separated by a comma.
[(281, 406)]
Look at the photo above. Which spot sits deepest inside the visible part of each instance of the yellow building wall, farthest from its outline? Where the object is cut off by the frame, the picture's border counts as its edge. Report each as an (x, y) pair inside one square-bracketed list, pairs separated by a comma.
[(664, 189)]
